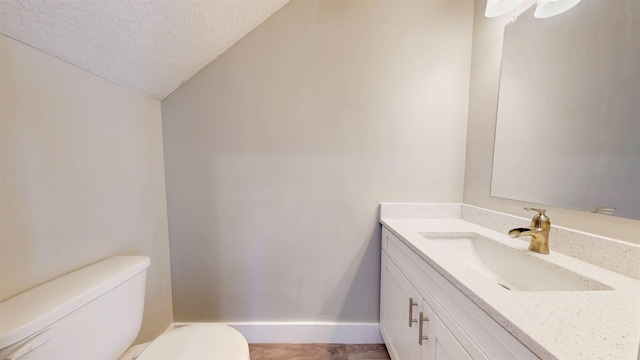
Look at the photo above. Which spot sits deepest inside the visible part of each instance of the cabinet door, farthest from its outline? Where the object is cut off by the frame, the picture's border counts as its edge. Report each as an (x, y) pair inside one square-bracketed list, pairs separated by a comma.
[(438, 343), (400, 305)]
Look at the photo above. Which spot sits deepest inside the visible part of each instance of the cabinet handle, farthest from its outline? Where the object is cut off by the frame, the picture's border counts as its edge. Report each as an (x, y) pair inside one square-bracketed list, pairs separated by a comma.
[(423, 319), (411, 305)]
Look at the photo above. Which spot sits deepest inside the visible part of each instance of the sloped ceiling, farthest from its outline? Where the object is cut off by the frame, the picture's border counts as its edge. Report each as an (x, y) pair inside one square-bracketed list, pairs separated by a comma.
[(151, 46)]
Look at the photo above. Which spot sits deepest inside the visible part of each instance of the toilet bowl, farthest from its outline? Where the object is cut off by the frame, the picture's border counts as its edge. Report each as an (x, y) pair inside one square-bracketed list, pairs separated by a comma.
[(96, 313), (197, 341)]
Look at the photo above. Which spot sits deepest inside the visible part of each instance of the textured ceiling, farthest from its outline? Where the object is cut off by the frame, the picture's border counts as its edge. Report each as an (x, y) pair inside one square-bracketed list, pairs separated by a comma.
[(151, 46)]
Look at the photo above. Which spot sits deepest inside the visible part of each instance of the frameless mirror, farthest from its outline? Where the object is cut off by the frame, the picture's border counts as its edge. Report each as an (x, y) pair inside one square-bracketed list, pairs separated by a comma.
[(568, 124)]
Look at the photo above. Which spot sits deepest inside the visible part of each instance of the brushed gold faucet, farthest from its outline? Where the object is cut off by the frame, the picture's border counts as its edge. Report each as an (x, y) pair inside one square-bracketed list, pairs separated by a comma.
[(538, 230)]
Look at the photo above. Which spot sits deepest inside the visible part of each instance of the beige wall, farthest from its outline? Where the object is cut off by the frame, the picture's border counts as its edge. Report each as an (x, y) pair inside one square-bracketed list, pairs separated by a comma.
[(82, 176), (485, 73), (279, 151)]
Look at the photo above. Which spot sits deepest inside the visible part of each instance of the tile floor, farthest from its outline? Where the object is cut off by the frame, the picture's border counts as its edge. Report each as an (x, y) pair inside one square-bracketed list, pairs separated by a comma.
[(318, 352)]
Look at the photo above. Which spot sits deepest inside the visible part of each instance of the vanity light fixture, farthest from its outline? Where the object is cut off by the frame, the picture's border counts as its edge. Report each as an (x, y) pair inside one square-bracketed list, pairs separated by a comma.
[(548, 8), (544, 8), (500, 7)]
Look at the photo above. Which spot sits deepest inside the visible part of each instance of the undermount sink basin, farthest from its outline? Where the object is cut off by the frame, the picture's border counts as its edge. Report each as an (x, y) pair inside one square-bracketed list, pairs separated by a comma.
[(511, 268)]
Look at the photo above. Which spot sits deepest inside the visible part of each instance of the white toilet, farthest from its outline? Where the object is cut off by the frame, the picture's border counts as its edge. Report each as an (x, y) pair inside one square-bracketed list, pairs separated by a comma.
[(95, 313)]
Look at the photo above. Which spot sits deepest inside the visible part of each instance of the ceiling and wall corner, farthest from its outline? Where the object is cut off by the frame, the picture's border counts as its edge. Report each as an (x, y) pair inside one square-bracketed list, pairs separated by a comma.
[(276, 164), (148, 46), (81, 177)]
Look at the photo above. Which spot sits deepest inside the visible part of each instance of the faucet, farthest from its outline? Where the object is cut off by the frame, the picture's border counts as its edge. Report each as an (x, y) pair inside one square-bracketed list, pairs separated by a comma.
[(538, 230)]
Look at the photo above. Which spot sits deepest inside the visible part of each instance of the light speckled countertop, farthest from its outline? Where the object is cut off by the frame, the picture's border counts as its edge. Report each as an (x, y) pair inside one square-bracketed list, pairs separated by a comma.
[(553, 324)]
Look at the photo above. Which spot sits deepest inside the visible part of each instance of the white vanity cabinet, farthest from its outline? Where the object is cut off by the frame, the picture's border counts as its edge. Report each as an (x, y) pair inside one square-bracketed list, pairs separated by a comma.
[(411, 328), (400, 305), (423, 316)]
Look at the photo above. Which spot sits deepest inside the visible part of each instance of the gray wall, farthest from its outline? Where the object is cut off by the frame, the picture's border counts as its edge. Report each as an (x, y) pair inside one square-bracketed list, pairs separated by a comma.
[(483, 100), (278, 153), (81, 177)]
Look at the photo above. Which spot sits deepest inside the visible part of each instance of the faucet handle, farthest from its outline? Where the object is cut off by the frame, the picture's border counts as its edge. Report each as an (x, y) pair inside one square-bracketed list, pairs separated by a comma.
[(539, 220), (540, 211)]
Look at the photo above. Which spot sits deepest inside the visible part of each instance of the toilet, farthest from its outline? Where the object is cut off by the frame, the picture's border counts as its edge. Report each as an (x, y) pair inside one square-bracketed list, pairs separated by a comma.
[(96, 313)]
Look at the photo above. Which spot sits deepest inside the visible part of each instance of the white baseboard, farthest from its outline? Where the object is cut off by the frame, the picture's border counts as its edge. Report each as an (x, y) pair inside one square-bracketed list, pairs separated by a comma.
[(307, 332)]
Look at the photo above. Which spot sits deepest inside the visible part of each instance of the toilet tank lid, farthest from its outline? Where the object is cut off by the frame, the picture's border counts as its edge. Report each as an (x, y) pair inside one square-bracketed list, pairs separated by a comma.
[(31, 311)]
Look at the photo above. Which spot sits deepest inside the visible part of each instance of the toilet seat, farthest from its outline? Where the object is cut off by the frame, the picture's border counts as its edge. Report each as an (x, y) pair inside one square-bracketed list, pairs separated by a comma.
[(198, 341)]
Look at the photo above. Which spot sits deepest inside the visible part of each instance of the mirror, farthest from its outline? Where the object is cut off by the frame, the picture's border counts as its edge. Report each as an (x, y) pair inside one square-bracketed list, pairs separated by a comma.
[(568, 124)]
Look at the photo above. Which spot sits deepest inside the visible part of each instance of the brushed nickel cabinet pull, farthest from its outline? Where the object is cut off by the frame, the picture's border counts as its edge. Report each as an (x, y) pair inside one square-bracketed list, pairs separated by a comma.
[(411, 305), (423, 319)]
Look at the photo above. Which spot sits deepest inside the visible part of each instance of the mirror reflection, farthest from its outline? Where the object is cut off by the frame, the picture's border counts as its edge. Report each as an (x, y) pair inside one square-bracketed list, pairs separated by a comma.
[(568, 126)]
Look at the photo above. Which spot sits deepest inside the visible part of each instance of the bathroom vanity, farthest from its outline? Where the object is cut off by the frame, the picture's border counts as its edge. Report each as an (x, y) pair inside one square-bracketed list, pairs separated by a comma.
[(454, 289)]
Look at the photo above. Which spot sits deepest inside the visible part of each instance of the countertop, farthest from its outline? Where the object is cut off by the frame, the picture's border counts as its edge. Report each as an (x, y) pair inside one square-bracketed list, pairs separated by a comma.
[(602, 324)]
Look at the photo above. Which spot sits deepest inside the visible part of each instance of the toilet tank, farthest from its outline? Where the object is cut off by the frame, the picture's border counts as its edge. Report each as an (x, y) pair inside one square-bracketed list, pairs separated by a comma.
[(91, 313)]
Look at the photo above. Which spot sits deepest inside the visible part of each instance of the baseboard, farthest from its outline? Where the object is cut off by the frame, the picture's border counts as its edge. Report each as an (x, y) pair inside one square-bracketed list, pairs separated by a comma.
[(307, 332)]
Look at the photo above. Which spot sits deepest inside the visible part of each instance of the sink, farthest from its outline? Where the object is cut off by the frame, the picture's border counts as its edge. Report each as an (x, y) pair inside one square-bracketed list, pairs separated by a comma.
[(511, 268)]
